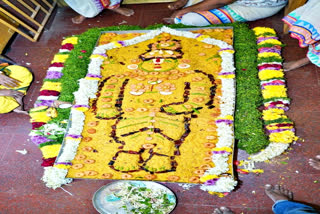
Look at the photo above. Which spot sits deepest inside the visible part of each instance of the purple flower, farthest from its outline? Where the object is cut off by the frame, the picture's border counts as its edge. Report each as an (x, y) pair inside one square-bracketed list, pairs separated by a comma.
[(121, 43), (220, 152), (93, 76), (79, 106), (280, 130), (211, 182), (39, 139), (266, 38), (53, 75), (105, 55), (229, 122), (43, 103), (226, 73), (74, 136)]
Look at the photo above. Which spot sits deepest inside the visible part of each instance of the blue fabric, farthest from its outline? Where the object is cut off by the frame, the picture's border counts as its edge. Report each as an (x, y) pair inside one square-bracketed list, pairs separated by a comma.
[(291, 207)]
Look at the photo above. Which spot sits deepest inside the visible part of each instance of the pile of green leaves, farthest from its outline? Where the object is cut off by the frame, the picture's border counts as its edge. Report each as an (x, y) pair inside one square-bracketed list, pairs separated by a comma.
[(248, 125)]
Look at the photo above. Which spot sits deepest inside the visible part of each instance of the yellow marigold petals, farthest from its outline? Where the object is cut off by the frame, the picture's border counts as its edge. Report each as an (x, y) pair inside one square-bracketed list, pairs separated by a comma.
[(50, 151), (72, 40)]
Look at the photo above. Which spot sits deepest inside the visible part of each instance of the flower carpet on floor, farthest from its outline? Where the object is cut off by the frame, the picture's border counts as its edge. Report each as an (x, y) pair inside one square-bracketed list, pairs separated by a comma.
[(160, 105)]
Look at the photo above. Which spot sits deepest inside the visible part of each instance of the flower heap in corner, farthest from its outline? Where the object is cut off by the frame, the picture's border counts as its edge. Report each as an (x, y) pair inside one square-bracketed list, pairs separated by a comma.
[(48, 136), (279, 127), (216, 179)]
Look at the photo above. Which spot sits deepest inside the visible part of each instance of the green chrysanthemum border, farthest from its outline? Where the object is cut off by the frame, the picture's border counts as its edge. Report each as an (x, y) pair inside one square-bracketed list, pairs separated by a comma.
[(248, 124)]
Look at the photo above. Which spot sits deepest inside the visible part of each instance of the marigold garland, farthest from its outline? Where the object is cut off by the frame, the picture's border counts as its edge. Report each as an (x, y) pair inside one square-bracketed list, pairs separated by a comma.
[(43, 112), (278, 126)]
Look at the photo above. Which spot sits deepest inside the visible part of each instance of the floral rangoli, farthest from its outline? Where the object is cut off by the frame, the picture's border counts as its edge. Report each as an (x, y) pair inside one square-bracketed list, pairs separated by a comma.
[(159, 105), (156, 106)]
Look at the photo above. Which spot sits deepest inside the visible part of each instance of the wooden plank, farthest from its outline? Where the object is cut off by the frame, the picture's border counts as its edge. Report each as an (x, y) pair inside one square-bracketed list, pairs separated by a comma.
[(31, 18), (17, 30), (42, 8), (26, 5), (292, 5), (35, 12), (48, 4), (17, 20), (5, 35), (21, 12)]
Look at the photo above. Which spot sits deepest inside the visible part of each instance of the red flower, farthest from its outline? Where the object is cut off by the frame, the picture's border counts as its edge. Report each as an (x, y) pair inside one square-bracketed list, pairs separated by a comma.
[(48, 162), (236, 163), (269, 66), (49, 93), (83, 51), (57, 64), (67, 46), (242, 171), (36, 125)]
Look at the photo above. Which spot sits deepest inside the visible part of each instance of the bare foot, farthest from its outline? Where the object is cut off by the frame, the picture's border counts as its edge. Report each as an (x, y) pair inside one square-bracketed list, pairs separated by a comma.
[(168, 20), (288, 66), (315, 162), (78, 19), (20, 112), (222, 210), (177, 5), (19, 99), (278, 192), (124, 11)]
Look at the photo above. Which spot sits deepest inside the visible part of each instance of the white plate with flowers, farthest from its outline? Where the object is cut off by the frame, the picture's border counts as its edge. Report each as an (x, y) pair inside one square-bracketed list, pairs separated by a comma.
[(143, 197)]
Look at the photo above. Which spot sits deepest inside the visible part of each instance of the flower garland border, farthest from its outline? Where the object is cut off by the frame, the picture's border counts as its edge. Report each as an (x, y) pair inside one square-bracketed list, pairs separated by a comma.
[(43, 112), (279, 127)]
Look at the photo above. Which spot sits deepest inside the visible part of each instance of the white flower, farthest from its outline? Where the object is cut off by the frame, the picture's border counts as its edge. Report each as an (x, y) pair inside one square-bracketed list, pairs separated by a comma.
[(94, 66), (224, 184), (69, 150), (272, 150), (221, 164), (54, 177), (58, 69), (77, 122)]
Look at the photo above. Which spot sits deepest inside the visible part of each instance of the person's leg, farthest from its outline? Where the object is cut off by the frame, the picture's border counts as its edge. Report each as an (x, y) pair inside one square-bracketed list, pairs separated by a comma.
[(315, 162), (254, 13), (20, 109), (78, 19), (123, 11), (193, 19), (291, 207), (177, 4), (85, 9), (282, 201), (288, 66), (222, 210), (203, 18)]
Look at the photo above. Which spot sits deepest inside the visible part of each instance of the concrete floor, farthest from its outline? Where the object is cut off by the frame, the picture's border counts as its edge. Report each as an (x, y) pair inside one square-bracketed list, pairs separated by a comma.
[(21, 190)]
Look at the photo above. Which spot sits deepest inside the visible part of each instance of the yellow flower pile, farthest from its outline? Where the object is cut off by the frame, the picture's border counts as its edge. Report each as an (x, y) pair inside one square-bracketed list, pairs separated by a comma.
[(273, 89)]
